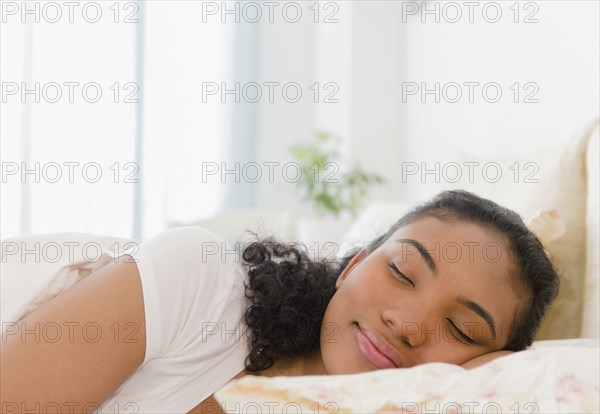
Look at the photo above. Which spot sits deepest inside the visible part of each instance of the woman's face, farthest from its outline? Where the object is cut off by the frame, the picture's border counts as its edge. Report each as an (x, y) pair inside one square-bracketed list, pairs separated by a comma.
[(459, 282)]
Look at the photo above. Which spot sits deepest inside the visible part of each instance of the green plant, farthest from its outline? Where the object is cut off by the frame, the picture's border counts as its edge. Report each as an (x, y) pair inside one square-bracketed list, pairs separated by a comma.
[(324, 185)]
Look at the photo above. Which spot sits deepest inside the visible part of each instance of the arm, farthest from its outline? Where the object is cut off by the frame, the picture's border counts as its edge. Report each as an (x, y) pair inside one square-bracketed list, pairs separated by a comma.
[(482, 359), (62, 363)]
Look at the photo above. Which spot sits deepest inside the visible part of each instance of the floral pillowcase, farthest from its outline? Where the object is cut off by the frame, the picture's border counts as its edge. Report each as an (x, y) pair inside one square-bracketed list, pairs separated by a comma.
[(551, 378)]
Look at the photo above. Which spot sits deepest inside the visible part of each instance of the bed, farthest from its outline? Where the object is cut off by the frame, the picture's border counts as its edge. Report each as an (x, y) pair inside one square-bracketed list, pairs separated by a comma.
[(558, 374)]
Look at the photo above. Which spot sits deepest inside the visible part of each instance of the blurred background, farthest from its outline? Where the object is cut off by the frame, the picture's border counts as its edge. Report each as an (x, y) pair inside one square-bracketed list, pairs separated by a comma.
[(125, 118)]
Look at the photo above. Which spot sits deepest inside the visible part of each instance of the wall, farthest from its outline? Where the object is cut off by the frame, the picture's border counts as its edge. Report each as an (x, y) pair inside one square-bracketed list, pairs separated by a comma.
[(378, 45)]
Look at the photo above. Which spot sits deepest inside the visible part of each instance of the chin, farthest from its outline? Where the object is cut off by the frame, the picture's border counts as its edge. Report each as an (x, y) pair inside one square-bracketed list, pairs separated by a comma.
[(344, 369)]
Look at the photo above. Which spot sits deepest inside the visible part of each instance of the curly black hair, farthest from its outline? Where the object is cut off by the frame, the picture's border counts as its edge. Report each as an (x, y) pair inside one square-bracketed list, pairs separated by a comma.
[(289, 292)]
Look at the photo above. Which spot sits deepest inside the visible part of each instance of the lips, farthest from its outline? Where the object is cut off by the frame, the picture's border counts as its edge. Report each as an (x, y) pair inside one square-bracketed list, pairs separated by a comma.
[(376, 349)]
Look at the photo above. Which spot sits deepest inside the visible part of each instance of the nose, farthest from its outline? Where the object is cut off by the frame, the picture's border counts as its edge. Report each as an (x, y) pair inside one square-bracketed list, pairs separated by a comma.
[(411, 329)]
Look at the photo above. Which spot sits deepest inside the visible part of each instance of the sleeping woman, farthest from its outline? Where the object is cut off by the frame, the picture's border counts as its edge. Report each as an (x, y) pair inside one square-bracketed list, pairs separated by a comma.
[(458, 279)]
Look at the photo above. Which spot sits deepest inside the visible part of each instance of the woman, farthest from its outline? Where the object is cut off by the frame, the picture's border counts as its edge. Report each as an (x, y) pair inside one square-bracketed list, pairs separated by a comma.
[(458, 279)]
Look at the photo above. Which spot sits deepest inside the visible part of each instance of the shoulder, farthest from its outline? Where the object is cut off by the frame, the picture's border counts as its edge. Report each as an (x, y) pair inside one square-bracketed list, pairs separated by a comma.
[(186, 252), (198, 242), (178, 236), (189, 276)]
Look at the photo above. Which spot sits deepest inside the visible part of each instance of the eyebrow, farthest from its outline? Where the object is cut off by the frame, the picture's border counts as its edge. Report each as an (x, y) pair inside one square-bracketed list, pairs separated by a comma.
[(479, 311), (424, 254)]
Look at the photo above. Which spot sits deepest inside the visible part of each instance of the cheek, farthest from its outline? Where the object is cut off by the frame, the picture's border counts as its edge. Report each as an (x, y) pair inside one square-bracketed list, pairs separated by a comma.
[(363, 297), (368, 287), (338, 348), (358, 299), (448, 352), (336, 313)]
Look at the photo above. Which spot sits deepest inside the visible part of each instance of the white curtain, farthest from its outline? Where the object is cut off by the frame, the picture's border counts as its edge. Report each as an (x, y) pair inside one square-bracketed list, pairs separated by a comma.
[(103, 128)]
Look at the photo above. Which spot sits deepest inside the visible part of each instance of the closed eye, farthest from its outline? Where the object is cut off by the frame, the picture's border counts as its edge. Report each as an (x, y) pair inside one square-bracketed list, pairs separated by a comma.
[(461, 335), (399, 274)]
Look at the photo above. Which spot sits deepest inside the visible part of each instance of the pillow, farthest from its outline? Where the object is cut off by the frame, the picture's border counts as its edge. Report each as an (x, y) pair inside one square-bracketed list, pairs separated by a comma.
[(591, 301), (549, 180), (561, 378)]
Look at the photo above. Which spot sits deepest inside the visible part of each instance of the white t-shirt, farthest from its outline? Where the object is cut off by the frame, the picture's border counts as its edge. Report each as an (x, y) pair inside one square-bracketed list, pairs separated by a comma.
[(194, 302)]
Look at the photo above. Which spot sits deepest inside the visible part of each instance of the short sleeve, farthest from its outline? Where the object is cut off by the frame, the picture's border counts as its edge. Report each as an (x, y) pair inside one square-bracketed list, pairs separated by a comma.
[(187, 276), (193, 286)]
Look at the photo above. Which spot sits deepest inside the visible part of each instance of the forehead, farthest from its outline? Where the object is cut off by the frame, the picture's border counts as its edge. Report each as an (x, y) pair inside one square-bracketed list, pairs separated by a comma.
[(456, 241), (452, 231)]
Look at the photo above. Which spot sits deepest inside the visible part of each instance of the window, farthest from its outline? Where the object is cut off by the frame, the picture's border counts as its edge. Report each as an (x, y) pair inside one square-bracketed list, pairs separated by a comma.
[(103, 125)]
